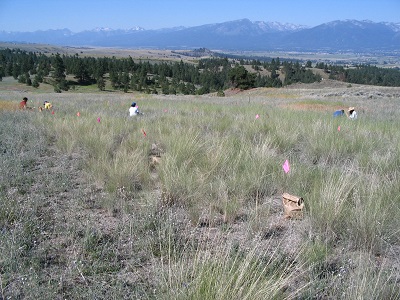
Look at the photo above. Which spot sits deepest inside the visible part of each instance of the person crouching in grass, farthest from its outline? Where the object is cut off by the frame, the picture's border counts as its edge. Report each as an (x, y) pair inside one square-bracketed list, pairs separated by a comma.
[(46, 105), (23, 103), (351, 113)]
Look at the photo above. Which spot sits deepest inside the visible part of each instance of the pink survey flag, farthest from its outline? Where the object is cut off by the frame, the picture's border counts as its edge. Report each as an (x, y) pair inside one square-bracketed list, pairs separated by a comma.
[(52, 112), (78, 114), (338, 129), (98, 120), (286, 167), (257, 116)]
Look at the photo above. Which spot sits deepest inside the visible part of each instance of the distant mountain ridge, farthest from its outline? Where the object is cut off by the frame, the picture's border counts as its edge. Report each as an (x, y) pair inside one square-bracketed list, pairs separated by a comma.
[(347, 35)]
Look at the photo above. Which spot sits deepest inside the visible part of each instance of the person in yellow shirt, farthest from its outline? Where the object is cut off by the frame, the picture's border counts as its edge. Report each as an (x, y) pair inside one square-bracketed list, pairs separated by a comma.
[(47, 105)]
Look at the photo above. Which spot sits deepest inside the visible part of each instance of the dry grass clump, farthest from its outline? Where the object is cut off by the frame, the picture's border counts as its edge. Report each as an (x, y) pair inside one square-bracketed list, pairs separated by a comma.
[(232, 273), (8, 105)]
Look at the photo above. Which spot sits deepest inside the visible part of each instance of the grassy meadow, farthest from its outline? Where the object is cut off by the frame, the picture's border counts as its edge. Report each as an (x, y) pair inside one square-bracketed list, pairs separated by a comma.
[(184, 202)]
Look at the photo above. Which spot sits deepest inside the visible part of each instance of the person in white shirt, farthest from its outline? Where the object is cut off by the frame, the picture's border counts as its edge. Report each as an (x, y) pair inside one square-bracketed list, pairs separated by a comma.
[(133, 110), (352, 114)]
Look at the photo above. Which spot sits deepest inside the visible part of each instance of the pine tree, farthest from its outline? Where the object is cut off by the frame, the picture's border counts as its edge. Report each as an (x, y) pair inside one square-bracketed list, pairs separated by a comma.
[(58, 68), (101, 84), (28, 79), (35, 82), (59, 74)]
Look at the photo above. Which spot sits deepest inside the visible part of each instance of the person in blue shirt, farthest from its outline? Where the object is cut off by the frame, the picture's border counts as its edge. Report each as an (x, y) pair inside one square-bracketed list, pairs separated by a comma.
[(338, 113)]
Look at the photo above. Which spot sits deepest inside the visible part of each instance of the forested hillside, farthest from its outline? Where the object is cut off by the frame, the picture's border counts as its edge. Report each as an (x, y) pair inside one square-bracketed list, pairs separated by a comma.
[(207, 75)]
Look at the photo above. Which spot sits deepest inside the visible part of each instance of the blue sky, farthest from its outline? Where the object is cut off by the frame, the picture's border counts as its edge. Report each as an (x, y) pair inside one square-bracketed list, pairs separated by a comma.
[(32, 15)]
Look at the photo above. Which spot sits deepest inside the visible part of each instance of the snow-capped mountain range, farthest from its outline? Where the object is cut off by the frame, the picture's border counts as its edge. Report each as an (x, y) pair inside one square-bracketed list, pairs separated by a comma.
[(346, 35)]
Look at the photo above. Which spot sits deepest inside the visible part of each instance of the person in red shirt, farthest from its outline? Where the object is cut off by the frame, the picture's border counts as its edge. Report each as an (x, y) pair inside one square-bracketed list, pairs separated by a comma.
[(22, 104)]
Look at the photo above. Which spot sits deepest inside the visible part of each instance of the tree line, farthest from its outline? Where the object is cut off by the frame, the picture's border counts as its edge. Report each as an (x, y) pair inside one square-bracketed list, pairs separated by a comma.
[(363, 74), (207, 75)]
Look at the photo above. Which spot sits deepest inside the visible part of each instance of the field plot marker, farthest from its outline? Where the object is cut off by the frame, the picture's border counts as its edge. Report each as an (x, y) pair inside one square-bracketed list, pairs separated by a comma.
[(286, 166)]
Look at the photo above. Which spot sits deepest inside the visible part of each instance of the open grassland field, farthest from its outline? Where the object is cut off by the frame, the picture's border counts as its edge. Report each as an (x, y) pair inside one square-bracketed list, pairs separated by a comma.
[(184, 202), (142, 54)]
